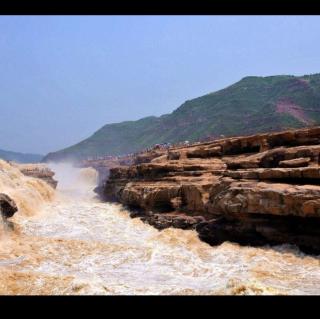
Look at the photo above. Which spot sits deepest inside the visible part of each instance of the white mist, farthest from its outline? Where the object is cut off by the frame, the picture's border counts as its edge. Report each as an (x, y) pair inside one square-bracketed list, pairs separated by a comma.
[(74, 181)]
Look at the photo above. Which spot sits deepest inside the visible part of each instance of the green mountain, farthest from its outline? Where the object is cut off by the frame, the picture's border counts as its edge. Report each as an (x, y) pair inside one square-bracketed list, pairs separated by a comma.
[(252, 105), (20, 157)]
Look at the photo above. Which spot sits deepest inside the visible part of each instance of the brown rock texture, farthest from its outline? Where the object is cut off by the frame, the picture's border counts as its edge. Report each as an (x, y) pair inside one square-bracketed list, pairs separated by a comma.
[(103, 166), (7, 206), (38, 171), (255, 189)]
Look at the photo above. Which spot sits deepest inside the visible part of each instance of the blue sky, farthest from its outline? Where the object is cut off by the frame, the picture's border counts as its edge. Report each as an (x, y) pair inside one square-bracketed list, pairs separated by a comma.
[(63, 77)]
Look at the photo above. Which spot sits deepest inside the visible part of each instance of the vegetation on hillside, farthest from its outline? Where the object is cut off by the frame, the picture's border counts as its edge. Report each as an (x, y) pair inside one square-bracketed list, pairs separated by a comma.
[(246, 107)]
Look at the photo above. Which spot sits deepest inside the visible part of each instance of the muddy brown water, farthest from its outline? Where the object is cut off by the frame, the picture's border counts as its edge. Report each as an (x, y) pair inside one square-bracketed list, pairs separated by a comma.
[(71, 243)]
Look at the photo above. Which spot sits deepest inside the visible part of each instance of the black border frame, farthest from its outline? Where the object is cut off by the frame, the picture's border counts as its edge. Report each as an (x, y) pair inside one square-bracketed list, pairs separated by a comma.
[(153, 305)]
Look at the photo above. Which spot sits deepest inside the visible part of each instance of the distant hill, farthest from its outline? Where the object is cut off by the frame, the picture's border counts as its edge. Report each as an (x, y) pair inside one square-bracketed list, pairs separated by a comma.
[(252, 105), (20, 157)]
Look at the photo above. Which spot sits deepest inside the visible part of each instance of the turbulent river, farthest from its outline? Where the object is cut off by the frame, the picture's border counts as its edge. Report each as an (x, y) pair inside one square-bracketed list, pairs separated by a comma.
[(67, 242)]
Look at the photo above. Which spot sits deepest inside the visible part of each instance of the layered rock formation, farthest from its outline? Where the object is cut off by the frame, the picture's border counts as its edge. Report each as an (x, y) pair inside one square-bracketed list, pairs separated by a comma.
[(103, 166), (252, 190), (38, 171)]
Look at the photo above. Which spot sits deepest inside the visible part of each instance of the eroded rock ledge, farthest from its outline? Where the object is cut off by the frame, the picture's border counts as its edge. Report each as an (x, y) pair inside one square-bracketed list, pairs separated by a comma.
[(38, 170), (252, 190)]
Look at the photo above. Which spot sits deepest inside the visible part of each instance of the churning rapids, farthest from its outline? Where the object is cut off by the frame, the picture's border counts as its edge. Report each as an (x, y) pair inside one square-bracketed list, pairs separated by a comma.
[(67, 242)]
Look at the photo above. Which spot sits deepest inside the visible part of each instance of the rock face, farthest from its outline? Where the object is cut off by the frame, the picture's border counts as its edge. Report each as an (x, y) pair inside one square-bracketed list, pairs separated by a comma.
[(103, 166), (7, 206), (254, 190), (38, 171)]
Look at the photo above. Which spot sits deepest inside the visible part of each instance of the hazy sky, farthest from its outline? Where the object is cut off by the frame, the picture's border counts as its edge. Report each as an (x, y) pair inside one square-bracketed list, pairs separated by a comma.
[(63, 77)]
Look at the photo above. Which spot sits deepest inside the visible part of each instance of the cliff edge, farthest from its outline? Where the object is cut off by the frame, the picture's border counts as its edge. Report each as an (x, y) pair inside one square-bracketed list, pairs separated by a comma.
[(258, 189)]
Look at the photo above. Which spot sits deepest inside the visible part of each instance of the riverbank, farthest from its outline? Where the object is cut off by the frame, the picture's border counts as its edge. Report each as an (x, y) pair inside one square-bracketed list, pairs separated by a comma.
[(74, 244), (253, 190)]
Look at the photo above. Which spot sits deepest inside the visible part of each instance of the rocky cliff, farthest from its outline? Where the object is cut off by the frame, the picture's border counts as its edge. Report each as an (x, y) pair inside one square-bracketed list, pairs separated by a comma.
[(40, 171), (103, 166), (254, 190)]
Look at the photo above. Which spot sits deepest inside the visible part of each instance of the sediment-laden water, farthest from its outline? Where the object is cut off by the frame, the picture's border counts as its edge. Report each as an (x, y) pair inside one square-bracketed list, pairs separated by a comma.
[(70, 243)]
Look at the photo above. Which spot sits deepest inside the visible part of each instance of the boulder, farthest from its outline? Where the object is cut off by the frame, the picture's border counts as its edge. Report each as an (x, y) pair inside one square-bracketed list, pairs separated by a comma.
[(7, 206)]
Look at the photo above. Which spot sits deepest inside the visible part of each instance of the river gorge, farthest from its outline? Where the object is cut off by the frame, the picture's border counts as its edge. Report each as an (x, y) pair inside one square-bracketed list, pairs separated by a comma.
[(69, 242)]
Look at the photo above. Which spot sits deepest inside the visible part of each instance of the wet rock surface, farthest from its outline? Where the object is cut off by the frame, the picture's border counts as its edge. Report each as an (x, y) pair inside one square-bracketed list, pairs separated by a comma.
[(40, 171), (7, 206), (252, 190), (7, 209)]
